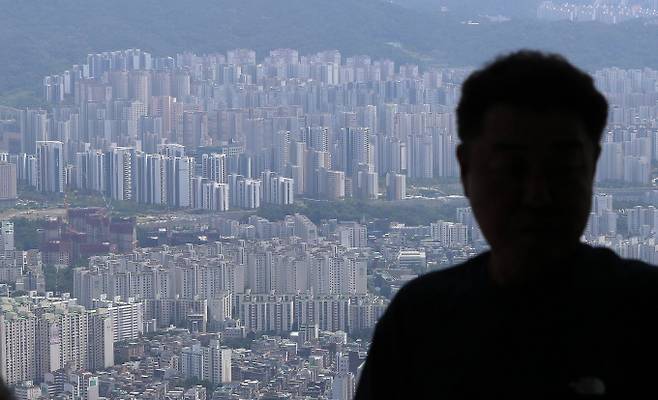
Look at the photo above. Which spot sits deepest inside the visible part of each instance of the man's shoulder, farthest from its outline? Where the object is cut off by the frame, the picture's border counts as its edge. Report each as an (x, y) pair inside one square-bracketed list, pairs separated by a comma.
[(600, 264), (446, 282), (608, 266)]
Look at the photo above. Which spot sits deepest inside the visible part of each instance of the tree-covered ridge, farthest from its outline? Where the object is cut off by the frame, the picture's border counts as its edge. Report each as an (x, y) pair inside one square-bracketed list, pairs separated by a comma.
[(409, 212), (45, 37), (508, 8)]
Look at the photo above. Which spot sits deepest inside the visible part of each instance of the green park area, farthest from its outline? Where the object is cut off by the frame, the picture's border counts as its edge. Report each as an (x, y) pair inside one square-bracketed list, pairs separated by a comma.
[(410, 212)]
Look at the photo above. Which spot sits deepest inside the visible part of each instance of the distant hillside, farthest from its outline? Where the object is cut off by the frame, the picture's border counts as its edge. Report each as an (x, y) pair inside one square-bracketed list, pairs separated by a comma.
[(38, 37), (41, 37), (509, 8), (473, 8)]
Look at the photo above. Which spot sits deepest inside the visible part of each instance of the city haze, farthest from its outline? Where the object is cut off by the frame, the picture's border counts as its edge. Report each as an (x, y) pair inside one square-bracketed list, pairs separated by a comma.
[(218, 199)]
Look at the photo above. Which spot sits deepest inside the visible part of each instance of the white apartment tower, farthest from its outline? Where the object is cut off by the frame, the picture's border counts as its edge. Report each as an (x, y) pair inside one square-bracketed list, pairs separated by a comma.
[(17, 347), (121, 167), (213, 167)]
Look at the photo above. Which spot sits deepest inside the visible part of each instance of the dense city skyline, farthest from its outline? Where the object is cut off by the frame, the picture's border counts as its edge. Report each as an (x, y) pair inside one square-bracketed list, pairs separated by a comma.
[(220, 225)]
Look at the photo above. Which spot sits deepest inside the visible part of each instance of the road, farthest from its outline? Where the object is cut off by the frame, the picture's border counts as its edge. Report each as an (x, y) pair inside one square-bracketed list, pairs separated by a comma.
[(32, 214)]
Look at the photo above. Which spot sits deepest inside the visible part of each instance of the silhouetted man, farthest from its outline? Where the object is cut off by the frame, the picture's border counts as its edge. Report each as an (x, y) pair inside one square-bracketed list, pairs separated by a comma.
[(540, 315)]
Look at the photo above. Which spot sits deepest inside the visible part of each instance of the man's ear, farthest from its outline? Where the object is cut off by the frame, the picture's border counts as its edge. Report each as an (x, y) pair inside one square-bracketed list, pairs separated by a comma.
[(464, 167)]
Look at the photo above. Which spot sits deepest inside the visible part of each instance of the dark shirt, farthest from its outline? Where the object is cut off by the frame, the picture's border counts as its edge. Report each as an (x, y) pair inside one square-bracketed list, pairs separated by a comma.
[(455, 334), (5, 393)]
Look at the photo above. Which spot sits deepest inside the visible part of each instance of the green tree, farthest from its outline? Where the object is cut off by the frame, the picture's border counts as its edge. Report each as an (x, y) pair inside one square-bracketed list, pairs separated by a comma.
[(26, 233), (58, 279)]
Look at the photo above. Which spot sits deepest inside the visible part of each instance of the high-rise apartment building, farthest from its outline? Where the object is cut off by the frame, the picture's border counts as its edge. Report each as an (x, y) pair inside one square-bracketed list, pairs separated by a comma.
[(150, 178), (195, 129), (127, 317), (42, 335), (212, 363), (120, 169), (333, 185), (396, 187), (277, 189), (17, 346), (8, 179), (210, 195), (354, 149), (139, 87), (449, 234), (101, 344), (7, 236), (266, 313), (241, 56), (50, 167), (33, 127), (180, 172), (214, 168), (248, 193)]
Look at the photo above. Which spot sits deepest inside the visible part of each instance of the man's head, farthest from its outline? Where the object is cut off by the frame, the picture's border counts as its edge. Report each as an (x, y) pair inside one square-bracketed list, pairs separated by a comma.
[(530, 125)]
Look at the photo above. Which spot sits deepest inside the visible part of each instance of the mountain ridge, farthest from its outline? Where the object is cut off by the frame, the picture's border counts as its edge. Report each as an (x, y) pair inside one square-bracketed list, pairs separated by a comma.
[(39, 38)]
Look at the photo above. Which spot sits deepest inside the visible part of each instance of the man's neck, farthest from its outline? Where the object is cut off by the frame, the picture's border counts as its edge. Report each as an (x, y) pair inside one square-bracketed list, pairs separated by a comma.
[(525, 267)]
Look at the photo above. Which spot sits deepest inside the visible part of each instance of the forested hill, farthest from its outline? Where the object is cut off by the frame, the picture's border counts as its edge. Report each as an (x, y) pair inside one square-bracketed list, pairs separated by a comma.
[(41, 37), (508, 8), (472, 8)]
